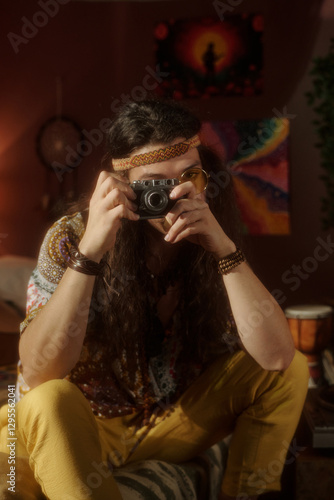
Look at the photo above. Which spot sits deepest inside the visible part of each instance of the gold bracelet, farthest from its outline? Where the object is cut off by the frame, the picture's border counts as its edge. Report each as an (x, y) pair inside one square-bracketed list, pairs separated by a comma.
[(231, 261)]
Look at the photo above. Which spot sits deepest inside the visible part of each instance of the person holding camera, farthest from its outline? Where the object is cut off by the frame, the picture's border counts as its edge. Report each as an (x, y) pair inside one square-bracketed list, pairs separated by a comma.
[(147, 333)]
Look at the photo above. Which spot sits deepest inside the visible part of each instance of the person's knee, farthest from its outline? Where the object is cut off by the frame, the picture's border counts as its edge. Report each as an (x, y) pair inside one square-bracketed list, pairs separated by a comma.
[(49, 397), (298, 370), (297, 378)]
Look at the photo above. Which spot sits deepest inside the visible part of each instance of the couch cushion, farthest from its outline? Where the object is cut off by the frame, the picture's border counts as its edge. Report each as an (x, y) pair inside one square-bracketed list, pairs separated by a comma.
[(15, 272), (144, 480), (158, 480)]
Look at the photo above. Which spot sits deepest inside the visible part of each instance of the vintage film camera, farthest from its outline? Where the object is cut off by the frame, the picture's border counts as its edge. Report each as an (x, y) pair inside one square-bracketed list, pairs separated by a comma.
[(153, 197)]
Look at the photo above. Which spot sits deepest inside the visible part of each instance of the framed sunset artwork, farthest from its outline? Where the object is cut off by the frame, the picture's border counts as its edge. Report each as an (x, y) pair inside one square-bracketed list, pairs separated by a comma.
[(206, 57)]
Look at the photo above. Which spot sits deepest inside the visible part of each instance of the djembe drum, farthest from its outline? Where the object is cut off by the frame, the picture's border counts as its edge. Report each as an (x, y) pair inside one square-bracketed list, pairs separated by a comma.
[(311, 329)]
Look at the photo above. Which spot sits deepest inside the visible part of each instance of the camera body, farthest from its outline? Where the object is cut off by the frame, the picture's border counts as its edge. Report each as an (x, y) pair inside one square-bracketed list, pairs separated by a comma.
[(153, 197)]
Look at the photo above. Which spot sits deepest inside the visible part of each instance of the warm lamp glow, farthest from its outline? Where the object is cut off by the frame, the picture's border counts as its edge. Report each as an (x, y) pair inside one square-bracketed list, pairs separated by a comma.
[(11, 132)]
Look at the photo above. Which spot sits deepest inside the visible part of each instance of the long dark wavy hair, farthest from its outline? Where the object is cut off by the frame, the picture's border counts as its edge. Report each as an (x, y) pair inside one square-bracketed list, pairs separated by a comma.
[(128, 321)]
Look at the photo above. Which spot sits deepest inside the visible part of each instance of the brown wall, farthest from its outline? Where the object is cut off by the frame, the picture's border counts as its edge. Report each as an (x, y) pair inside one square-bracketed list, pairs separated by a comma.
[(292, 263), (101, 50)]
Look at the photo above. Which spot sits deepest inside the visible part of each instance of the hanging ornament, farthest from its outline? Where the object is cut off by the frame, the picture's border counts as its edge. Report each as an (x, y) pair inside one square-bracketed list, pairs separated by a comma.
[(58, 138), (57, 145)]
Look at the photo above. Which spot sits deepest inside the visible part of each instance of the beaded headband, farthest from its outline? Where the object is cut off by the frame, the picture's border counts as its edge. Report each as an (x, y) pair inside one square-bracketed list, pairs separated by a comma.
[(157, 155)]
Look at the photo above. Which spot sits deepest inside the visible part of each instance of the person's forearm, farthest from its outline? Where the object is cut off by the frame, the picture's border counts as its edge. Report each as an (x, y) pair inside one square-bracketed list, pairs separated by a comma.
[(262, 326), (51, 344)]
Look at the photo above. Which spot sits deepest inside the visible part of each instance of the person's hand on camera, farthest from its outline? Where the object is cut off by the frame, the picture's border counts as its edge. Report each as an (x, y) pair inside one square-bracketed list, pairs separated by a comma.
[(192, 219), (111, 201)]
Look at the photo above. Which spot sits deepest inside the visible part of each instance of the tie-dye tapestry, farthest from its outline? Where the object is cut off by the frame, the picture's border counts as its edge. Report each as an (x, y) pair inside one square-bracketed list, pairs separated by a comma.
[(256, 153)]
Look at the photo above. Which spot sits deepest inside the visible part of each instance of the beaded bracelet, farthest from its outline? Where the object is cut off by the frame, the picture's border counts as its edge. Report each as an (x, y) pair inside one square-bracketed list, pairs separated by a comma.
[(231, 261), (81, 263)]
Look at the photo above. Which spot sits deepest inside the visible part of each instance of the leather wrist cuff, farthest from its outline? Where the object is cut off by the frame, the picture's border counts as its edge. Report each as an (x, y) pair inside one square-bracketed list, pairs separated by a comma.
[(81, 263)]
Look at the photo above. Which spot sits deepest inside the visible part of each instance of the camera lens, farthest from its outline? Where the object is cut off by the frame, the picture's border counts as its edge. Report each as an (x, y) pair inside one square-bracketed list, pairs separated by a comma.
[(155, 200)]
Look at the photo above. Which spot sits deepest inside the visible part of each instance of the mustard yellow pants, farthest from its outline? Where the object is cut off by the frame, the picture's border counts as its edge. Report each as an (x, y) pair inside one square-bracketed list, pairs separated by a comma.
[(68, 448)]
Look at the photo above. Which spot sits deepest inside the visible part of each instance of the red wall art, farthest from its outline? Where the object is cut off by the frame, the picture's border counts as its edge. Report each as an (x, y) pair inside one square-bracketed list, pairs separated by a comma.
[(207, 57)]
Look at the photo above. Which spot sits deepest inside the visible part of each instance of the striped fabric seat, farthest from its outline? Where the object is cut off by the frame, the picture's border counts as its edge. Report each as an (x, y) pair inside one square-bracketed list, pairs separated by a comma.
[(157, 480), (145, 480)]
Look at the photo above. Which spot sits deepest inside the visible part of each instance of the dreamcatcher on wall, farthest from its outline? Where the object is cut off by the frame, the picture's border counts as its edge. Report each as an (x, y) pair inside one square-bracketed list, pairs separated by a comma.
[(207, 57), (56, 145)]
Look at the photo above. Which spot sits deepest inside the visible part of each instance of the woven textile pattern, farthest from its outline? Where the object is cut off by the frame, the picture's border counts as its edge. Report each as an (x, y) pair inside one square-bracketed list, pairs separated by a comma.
[(157, 155)]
